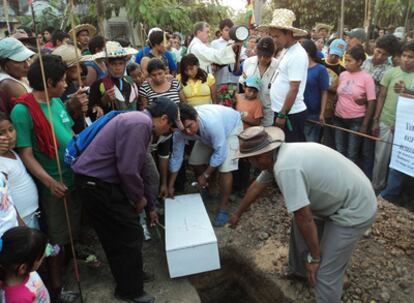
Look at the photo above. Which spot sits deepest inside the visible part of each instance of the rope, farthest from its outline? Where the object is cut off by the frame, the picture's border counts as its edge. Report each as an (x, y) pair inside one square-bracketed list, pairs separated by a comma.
[(378, 139), (65, 202)]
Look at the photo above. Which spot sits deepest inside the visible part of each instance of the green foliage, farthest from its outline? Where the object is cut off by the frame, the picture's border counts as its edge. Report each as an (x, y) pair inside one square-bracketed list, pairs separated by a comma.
[(309, 12)]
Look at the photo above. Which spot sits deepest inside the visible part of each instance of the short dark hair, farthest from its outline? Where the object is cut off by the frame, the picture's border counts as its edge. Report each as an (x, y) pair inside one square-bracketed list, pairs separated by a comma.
[(389, 43), (408, 46), (123, 41), (54, 69), (97, 42), (187, 112), (357, 53), (155, 64), (226, 22), (177, 36), (21, 245), (155, 38), (310, 48), (49, 29), (4, 117), (199, 27), (191, 60), (132, 67), (58, 35)]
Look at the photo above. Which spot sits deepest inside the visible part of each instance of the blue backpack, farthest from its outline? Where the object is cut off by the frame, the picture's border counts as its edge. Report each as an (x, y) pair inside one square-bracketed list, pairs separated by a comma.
[(80, 142)]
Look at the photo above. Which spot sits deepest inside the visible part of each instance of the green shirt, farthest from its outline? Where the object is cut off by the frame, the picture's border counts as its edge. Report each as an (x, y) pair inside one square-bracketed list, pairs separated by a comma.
[(62, 123), (391, 77)]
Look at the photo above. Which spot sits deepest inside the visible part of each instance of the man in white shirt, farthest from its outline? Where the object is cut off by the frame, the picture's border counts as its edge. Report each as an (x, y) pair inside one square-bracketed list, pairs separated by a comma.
[(207, 55), (290, 80), (225, 74)]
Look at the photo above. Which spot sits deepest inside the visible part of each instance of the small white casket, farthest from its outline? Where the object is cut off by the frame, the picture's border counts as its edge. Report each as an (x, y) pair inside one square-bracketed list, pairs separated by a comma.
[(190, 242)]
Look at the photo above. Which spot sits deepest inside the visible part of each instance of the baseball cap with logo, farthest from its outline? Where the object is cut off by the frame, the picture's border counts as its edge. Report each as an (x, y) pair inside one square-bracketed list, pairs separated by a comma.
[(337, 47), (13, 49)]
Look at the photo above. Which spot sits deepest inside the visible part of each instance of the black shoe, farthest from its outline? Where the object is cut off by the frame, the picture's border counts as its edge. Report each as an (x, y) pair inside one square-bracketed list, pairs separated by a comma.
[(147, 277), (144, 298)]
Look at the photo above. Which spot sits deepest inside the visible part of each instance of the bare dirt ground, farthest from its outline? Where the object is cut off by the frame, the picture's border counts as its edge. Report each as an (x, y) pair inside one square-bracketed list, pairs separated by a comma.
[(252, 255)]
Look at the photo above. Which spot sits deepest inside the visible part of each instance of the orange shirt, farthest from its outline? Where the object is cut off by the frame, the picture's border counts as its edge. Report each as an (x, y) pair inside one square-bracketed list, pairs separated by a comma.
[(252, 108)]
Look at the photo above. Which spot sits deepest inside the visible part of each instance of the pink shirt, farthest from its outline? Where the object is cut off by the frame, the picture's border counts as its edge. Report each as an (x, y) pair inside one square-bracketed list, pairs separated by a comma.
[(353, 86), (30, 290)]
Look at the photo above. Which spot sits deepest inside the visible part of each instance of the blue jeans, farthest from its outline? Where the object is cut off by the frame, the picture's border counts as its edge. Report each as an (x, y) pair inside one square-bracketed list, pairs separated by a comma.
[(395, 183), (346, 143), (312, 130), (328, 137), (368, 156)]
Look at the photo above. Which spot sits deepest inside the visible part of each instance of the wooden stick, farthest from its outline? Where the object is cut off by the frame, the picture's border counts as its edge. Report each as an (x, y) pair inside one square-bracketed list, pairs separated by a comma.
[(346, 130), (78, 69), (59, 167)]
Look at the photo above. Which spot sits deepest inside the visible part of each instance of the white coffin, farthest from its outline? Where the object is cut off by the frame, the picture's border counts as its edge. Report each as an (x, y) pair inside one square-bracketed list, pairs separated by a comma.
[(190, 242)]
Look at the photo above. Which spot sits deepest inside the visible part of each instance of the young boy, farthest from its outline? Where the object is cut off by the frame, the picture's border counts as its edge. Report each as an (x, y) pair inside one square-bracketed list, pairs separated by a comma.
[(395, 81), (251, 110), (248, 104)]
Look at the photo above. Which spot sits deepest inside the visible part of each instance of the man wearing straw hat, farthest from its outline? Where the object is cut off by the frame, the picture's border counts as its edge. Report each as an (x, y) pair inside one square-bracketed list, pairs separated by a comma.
[(83, 33), (289, 82), (331, 199)]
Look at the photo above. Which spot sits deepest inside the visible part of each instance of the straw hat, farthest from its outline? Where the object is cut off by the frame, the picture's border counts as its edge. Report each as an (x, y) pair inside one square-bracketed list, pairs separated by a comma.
[(320, 26), (115, 50), (282, 19), (257, 140), (70, 55), (83, 27)]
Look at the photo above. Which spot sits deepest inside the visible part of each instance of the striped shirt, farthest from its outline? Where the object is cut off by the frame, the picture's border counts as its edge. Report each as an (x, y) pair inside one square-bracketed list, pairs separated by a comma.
[(145, 90)]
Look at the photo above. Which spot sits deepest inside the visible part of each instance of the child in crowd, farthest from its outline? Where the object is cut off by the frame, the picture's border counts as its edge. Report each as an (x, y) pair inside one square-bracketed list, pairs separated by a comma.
[(356, 103), (135, 72), (198, 86), (397, 80), (248, 104), (316, 92), (21, 186), (9, 217), (22, 251), (251, 110)]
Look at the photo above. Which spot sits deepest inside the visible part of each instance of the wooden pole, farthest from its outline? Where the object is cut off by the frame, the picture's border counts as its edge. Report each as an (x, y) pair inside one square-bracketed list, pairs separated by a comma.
[(59, 166), (6, 15), (341, 23)]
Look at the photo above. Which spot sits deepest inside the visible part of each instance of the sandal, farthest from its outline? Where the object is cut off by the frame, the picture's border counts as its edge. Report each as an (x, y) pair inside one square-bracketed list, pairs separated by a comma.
[(221, 218)]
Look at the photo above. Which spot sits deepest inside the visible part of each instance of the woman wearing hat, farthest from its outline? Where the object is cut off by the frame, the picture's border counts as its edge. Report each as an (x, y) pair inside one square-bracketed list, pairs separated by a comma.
[(115, 91), (321, 248), (14, 65), (289, 82)]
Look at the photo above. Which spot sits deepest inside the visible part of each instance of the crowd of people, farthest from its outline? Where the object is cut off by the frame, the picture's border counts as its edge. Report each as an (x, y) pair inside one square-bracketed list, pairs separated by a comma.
[(227, 109)]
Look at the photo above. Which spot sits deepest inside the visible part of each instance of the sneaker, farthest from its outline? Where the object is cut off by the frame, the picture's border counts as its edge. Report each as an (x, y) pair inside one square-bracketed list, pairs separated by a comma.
[(144, 298)]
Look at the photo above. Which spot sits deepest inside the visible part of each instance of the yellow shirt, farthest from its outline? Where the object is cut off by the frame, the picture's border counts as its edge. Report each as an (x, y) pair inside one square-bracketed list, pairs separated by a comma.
[(196, 92)]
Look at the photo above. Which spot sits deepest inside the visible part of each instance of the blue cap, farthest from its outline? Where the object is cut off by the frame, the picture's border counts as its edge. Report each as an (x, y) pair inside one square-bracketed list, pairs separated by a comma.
[(254, 81), (13, 49), (337, 47)]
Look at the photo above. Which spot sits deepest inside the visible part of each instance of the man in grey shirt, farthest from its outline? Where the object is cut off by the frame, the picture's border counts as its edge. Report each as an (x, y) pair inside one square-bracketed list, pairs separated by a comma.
[(332, 201)]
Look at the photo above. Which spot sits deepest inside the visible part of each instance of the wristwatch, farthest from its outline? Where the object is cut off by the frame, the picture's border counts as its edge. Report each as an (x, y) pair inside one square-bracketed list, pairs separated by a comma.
[(312, 260)]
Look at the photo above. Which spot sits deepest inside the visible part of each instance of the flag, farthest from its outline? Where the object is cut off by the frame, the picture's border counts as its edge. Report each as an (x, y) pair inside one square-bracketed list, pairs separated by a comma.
[(249, 13)]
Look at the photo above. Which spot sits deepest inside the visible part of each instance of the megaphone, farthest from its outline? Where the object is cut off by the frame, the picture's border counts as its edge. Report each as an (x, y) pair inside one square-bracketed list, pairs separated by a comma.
[(239, 33)]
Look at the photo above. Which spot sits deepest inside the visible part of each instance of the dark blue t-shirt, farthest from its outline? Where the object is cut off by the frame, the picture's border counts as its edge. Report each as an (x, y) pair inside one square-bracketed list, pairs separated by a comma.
[(318, 81), (171, 64)]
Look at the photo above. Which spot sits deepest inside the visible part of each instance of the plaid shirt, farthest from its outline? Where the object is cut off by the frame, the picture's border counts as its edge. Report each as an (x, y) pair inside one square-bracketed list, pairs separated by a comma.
[(376, 71)]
